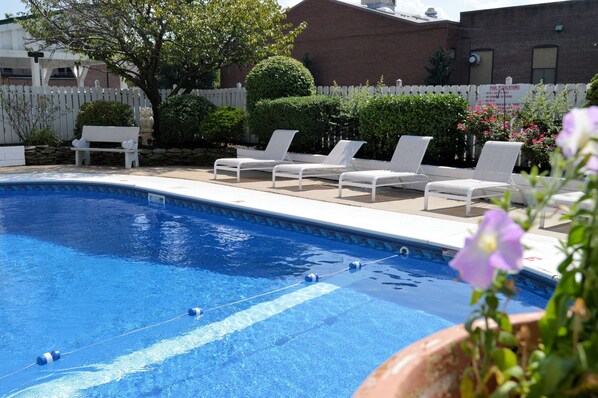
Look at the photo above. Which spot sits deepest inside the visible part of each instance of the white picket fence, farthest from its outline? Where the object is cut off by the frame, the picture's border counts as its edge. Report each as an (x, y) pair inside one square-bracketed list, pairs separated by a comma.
[(70, 99)]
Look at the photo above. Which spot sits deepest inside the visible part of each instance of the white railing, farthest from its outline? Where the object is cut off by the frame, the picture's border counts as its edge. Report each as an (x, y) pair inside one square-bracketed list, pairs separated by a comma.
[(70, 99)]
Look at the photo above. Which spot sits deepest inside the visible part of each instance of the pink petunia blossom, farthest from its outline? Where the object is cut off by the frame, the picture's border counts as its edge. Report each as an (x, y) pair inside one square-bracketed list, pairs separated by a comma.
[(580, 128), (495, 246)]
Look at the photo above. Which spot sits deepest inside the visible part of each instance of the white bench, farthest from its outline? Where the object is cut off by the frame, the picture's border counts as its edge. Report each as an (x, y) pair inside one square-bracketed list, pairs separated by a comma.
[(105, 134), (12, 156)]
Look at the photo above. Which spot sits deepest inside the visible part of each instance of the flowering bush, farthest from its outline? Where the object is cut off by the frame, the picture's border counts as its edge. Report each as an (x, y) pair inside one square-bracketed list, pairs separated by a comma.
[(537, 146), (487, 123), (565, 363)]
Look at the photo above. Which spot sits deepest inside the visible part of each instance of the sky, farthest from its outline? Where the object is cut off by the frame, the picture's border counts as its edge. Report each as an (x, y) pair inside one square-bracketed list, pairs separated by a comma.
[(447, 9)]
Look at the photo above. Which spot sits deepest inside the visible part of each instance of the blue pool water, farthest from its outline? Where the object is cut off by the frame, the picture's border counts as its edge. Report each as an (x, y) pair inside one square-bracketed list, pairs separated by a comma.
[(77, 268)]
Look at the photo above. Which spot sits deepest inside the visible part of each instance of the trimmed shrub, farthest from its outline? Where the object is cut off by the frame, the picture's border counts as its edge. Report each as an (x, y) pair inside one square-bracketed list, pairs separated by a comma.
[(278, 77), (225, 125), (103, 113), (180, 119), (315, 117), (384, 118), (592, 93), (43, 136)]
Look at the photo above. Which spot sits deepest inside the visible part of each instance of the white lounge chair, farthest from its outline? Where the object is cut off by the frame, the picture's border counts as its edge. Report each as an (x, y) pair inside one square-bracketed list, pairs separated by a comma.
[(563, 201), (492, 176), (335, 163), (405, 168), (275, 153)]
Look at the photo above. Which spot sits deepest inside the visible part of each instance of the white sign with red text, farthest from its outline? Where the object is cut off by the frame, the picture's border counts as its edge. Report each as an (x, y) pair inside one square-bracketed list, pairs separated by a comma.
[(507, 94)]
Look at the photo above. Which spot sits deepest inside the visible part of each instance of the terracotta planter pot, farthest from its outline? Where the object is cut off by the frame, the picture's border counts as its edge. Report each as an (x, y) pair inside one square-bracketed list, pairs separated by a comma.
[(431, 367)]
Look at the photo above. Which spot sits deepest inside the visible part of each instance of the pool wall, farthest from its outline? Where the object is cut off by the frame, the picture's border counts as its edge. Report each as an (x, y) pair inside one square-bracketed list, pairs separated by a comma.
[(539, 284)]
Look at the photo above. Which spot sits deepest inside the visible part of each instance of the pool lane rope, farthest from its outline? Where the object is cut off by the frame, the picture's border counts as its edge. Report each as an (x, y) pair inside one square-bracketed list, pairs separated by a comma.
[(197, 312)]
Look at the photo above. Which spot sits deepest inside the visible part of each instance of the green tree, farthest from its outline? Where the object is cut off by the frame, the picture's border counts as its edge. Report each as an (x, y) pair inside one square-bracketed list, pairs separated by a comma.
[(440, 72), (140, 39)]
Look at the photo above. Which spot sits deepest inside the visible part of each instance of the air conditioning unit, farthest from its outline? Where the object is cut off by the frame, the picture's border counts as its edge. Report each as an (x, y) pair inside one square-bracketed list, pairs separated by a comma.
[(474, 59)]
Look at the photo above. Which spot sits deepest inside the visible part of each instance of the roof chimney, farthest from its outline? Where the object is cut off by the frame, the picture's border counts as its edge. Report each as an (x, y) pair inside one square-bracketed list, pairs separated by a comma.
[(431, 13)]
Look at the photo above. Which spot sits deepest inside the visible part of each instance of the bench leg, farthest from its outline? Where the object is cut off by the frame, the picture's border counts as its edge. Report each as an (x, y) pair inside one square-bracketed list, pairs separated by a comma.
[(82, 157), (131, 159)]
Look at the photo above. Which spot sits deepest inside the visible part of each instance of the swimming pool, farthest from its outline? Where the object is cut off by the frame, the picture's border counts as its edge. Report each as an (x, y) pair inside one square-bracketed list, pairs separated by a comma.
[(82, 264)]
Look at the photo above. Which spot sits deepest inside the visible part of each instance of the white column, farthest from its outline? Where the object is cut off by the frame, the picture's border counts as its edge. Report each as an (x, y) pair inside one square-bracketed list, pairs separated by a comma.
[(46, 73), (35, 74), (80, 73)]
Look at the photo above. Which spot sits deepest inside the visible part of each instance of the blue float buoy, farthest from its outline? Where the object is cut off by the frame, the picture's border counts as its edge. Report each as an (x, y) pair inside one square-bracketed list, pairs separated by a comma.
[(312, 278), (195, 311), (48, 357), (355, 265)]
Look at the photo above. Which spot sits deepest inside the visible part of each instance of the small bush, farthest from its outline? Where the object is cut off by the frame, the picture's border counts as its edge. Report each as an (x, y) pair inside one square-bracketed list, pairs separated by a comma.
[(384, 118), (537, 146), (543, 110), (43, 136), (180, 119), (103, 113), (315, 117), (592, 93), (487, 123), (225, 125), (278, 77)]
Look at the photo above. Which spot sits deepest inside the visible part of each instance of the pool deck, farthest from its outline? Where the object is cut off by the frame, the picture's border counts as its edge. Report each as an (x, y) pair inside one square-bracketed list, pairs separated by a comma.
[(397, 213)]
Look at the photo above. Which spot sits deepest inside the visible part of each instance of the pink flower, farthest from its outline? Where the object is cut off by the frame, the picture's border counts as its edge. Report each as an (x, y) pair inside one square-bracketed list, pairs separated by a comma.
[(580, 130), (495, 246)]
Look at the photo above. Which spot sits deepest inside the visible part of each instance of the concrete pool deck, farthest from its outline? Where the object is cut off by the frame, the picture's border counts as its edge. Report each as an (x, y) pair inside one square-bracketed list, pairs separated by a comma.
[(397, 213)]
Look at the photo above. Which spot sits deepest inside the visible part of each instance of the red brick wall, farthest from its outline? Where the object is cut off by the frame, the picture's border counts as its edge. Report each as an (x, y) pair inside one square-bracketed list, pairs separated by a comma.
[(513, 33), (351, 45)]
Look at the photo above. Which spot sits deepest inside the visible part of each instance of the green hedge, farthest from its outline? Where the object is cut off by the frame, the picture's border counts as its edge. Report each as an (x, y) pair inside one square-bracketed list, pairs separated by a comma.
[(180, 119), (225, 125), (383, 119), (103, 113), (592, 93), (316, 118)]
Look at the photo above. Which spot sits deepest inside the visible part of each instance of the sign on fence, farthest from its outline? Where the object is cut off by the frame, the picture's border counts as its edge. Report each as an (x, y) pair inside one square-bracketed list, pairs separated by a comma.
[(504, 94)]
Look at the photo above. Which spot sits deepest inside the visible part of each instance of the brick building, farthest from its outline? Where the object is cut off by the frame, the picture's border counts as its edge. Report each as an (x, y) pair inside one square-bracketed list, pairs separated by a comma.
[(553, 42), (352, 44)]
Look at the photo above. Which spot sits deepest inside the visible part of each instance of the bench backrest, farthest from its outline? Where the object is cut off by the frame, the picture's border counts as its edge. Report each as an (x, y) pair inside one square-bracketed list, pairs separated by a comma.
[(110, 133)]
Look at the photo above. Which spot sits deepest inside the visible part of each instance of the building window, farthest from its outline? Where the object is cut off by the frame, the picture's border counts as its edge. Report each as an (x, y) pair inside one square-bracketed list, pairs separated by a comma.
[(63, 72), (544, 65), (481, 65)]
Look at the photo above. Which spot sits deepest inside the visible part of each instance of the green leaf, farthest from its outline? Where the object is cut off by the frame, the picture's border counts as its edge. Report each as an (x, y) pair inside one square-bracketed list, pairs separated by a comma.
[(504, 358), (504, 390), (467, 387), (576, 235), (506, 338)]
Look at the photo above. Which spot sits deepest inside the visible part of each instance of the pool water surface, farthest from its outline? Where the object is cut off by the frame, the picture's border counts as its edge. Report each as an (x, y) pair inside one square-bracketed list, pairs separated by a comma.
[(79, 267)]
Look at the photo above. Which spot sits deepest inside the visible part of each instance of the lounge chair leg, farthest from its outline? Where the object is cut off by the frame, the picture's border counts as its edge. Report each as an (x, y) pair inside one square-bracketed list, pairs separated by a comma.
[(274, 178), (542, 218), (426, 198), (301, 180), (373, 193), (215, 172), (239, 174)]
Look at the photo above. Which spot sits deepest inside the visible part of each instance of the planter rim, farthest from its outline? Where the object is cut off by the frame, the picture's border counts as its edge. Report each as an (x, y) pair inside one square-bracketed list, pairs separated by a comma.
[(397, 375)]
